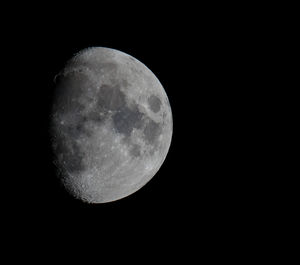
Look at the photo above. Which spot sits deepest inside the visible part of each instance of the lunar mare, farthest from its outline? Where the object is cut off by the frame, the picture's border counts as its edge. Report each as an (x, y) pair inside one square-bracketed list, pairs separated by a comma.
[(111, 125)]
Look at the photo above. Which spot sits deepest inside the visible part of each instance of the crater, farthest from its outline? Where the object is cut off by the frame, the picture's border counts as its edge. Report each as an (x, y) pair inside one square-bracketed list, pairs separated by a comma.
[(154, 103)]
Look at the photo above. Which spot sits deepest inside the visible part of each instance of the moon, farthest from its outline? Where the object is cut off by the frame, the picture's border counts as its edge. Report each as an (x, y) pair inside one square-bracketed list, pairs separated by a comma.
[(111, 125)]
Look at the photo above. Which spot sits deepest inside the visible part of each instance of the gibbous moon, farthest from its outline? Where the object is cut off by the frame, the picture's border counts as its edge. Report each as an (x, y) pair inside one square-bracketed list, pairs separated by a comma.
[(111, 125)]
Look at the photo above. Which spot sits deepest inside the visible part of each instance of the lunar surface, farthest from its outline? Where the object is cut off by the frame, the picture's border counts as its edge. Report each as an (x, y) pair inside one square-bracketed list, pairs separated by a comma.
[(111, 125)]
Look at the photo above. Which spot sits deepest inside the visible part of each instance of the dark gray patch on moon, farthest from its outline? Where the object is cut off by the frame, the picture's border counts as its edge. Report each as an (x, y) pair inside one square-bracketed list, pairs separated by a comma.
[(77, 127), (126, 119), (135, 150), (110, 98), (154, 103), (151, 131), (73, 130), (94, 116)]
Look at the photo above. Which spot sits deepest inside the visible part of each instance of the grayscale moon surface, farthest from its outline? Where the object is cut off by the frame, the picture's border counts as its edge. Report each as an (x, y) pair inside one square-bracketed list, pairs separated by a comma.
[(111, 125)]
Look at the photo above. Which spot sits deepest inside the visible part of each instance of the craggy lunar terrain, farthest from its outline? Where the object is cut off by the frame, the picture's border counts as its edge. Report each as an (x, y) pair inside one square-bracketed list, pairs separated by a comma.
[(111, 125)]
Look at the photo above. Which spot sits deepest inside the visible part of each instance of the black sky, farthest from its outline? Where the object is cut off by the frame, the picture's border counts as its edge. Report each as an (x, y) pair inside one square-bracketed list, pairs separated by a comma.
[(196, 54)]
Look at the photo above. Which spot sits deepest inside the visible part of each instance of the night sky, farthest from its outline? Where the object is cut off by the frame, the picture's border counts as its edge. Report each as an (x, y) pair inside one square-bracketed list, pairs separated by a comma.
[(200, 191)]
